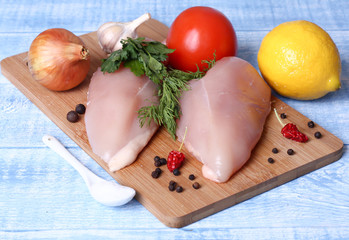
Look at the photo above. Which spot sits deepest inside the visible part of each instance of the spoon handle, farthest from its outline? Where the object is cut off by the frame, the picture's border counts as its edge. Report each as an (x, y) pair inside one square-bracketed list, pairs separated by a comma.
[(58, 147)]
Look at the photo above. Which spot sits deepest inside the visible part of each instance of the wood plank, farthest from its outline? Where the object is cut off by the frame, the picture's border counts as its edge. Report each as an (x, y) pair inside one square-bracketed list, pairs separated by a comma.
[(171, 208)]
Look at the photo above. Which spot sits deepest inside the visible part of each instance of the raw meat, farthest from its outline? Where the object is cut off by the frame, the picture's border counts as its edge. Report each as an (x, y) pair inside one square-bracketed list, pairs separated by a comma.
[(112, 124), (224, 112)]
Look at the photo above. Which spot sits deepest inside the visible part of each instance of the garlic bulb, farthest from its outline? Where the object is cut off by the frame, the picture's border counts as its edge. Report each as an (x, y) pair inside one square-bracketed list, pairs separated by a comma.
[(110, 33)]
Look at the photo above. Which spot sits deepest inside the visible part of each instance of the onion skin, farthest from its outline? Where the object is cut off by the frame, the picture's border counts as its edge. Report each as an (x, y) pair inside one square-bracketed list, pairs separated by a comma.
[(58, 60)]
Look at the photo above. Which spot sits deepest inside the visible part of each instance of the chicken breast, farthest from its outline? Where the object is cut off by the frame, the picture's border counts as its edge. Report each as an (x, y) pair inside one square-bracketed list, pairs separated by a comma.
[(224, 113), (111, 116)]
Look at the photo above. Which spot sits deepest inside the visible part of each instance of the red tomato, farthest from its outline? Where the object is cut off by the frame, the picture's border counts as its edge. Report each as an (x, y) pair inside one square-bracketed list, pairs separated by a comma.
[(196, 34)]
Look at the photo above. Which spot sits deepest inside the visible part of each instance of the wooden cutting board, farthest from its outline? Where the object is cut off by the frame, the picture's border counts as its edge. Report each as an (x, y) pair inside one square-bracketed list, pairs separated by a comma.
[(180, 209)]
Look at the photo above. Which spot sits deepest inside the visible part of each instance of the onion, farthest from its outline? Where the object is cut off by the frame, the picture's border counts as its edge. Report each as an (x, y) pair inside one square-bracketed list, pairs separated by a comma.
[(58, 60)]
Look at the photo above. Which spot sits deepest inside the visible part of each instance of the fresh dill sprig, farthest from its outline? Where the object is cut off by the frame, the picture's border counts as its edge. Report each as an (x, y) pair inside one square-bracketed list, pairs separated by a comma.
[(147, 57)]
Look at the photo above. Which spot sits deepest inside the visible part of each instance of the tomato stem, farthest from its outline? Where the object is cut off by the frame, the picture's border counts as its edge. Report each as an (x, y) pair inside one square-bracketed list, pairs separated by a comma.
[(185, 134), (278, 118)]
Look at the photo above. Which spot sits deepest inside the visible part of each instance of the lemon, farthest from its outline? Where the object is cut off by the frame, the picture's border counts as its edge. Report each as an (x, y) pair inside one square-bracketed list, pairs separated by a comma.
[(299, 60)]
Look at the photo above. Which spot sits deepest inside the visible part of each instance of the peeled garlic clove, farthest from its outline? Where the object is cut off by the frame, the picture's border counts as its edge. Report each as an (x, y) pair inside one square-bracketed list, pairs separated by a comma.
[(110, 33)]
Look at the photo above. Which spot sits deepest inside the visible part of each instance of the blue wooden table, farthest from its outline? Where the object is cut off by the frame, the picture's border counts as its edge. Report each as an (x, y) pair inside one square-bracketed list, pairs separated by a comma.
[(42, 197)]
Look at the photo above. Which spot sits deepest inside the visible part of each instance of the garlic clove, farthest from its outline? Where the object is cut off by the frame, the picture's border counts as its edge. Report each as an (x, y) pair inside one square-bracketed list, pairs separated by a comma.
[(129, 31), (106, 35), (111, 33)]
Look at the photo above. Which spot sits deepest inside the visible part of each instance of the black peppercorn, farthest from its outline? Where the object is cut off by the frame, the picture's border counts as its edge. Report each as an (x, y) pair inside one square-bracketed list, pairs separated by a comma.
[(80, 108), (176, 172), (270, 160), (172, 182), (155, 174), (318, 134), (72, 116), (311, 124), (179, 189), (171, 187), (283, 115), (196, 185), (163, 161), (157, 163), (275, 150), (191, 177), (290, 152)]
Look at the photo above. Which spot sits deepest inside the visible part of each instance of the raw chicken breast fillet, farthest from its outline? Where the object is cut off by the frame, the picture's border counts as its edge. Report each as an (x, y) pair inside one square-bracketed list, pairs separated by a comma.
[(111, 117), (224, 113)]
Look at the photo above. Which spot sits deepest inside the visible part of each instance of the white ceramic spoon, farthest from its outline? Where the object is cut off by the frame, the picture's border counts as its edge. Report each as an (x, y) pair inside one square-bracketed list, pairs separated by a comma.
[(108, 193)]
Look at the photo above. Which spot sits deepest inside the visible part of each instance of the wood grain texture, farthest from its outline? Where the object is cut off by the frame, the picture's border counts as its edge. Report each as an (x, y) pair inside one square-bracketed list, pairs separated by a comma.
[(173, 209)]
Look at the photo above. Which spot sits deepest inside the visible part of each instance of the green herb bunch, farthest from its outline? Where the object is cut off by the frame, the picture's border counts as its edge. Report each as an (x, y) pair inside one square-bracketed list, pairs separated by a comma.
[(147, 57)]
